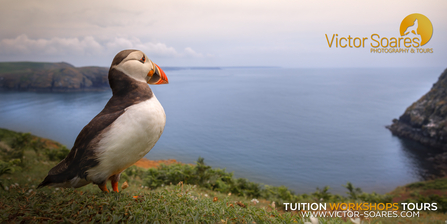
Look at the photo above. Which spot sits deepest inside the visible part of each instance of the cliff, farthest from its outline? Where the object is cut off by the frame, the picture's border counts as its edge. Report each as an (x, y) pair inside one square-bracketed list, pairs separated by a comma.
[(51, 77), (425, 120)]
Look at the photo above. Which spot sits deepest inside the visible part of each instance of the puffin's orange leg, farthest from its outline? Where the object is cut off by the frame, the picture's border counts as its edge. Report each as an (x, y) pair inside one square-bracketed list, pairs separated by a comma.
[(115, 185), (115, 178), (103, 187)]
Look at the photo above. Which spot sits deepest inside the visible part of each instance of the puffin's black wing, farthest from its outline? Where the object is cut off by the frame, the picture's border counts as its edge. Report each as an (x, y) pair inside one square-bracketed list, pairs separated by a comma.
[(82, 155)]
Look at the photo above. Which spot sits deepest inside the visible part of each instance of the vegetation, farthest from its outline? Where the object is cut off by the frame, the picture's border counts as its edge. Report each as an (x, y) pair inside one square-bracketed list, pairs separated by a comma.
[(423, 192), (14, 67), (221, 181), (177, 193)]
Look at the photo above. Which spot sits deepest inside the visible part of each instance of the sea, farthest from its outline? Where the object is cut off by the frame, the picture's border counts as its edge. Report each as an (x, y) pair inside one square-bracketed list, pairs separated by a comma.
[(304, 128)]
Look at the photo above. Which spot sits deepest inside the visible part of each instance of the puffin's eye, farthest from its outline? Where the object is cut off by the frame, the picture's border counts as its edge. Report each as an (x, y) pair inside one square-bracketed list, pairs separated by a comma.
[(143, 59)]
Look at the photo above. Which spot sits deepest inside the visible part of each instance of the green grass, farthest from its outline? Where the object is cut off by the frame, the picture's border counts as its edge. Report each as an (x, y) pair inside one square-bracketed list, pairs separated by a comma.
[(179, 203), (438, 184), (176, 204), (169, 194), (15, 67)]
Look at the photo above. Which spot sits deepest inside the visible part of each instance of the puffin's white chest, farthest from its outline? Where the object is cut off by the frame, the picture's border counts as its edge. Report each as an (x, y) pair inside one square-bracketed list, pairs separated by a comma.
[(129, 138)]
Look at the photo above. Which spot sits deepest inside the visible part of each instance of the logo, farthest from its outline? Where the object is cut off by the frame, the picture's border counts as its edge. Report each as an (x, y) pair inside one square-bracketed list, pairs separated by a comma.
[(417, 24), (415, 31)]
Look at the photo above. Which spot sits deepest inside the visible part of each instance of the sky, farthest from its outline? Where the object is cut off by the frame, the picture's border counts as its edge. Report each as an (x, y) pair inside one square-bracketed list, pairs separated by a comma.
[(286, 33)]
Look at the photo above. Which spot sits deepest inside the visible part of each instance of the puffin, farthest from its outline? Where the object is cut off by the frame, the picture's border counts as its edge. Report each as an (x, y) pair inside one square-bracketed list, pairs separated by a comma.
[(126, 129)]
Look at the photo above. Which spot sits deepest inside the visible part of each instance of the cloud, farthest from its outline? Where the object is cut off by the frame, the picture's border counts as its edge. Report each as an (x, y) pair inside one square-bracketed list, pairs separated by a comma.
[(54, 46), (158, 49), (87, 46), (191, 52)]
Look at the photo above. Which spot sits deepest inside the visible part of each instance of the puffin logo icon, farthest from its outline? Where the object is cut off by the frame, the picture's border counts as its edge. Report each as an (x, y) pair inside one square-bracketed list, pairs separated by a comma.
[(418, 25)]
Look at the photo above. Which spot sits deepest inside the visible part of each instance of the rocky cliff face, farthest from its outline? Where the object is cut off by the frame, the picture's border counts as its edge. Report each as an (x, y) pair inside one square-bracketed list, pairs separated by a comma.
[(53, 77), (426, 120)]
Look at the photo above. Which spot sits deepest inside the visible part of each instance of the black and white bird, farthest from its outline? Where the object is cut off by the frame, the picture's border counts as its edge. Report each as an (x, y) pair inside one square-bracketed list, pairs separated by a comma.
[(122, 133)]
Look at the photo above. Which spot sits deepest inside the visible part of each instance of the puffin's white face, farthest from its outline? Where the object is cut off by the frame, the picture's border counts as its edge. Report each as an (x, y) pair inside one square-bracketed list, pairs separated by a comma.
[(140, 68)]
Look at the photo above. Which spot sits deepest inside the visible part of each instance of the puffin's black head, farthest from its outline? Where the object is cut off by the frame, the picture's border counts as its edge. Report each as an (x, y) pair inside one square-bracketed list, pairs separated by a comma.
[(135, 64)]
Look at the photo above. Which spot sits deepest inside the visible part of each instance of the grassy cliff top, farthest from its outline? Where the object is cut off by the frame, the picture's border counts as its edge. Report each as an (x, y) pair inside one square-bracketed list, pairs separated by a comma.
[(176, 193), (14, 67)]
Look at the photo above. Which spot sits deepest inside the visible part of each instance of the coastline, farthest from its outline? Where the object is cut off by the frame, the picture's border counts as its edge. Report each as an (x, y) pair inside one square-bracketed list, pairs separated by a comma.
[(425, 120)]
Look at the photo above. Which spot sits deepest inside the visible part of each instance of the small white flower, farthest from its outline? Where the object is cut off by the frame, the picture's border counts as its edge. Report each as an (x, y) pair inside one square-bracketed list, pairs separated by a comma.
[(56, 189), (206, 195), (356, 220), (255, 201), (313, 219)]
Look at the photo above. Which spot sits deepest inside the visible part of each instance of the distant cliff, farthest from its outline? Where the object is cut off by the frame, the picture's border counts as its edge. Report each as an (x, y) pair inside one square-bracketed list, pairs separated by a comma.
[(426, 120), (51, 77)]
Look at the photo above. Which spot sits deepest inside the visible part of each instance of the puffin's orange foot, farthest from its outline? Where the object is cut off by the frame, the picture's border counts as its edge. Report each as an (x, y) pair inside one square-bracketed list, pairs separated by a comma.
[(103, 188), (115, 186)]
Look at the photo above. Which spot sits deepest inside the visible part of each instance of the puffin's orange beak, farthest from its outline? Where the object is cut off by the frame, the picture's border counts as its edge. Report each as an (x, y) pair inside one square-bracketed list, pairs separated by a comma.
[(157, 76)]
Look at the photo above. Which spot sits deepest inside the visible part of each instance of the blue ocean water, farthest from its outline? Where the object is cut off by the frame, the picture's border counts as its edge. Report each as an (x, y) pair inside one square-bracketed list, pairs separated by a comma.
[(302, 128)]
